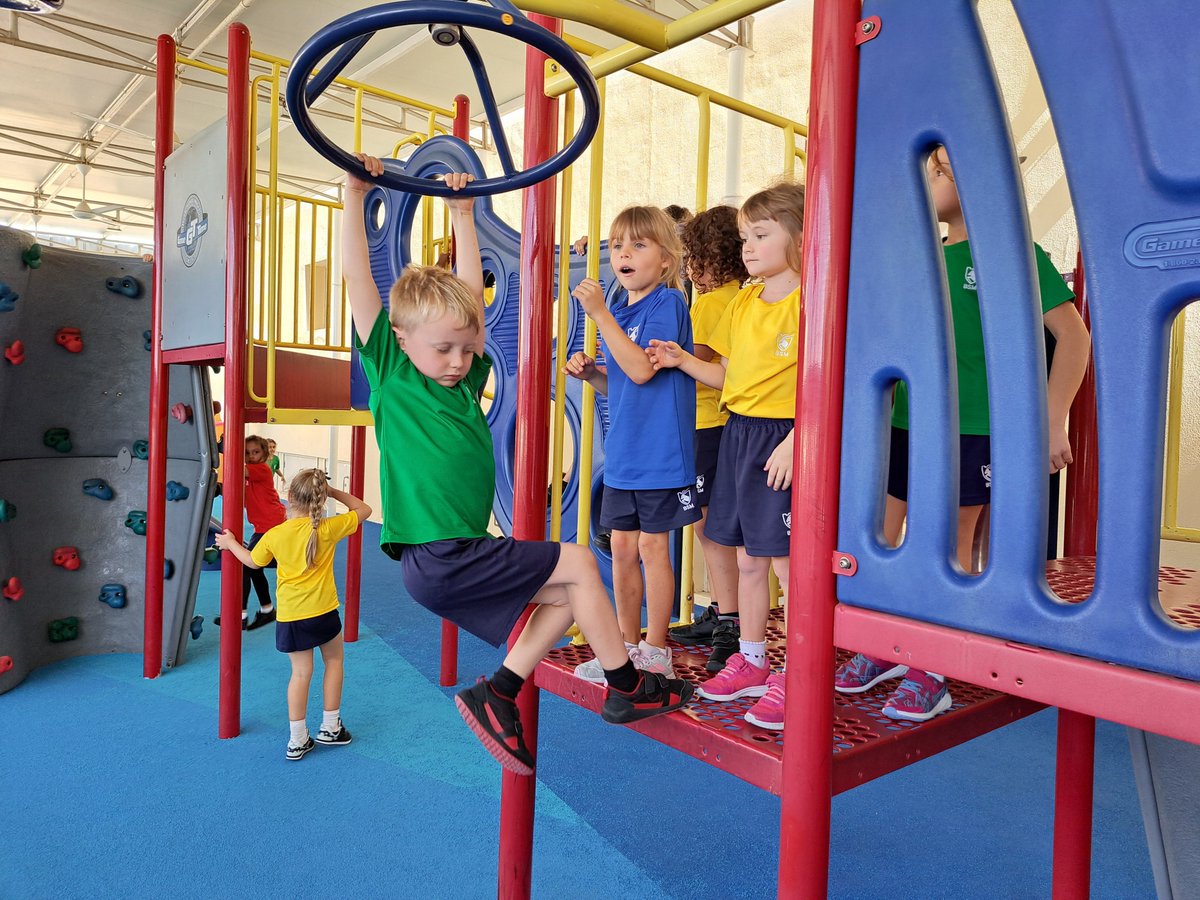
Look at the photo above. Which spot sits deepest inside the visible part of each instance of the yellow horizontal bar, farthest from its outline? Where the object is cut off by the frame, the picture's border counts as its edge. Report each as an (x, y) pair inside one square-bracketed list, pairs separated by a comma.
[(299, 198), (197, 64), (709, 18), (417, 139), (1188, 535), (690, 87), (609, 16), (281, 416)]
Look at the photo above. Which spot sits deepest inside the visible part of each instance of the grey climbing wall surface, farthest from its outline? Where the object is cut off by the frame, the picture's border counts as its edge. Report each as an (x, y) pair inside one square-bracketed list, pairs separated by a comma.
[(74, 412)]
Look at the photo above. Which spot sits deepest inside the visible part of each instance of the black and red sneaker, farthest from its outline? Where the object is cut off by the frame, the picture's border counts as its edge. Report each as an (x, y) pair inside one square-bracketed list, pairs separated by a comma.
[(655, 694), (494, 721)]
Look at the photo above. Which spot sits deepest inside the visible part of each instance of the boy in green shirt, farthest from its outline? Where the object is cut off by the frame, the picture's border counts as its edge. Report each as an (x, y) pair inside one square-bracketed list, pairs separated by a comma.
[(426, 366)]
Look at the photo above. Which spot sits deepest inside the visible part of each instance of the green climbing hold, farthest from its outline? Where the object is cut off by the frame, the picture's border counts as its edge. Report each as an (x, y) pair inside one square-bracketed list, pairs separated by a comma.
[(58, 439), (63, 630), (8, 511), (33, 256), (211, 555)]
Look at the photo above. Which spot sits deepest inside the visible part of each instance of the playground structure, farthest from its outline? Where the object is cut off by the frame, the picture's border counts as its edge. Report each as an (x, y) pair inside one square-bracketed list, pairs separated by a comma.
[(911, 603)]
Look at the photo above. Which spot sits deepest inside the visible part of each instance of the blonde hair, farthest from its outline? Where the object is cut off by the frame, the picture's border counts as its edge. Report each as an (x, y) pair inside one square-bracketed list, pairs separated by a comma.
[(649, 223), (424, 293), (782, 203), (307, 495)]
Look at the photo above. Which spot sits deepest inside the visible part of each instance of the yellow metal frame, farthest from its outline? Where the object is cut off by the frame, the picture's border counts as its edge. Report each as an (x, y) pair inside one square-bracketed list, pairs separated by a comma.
[(1171, 530)]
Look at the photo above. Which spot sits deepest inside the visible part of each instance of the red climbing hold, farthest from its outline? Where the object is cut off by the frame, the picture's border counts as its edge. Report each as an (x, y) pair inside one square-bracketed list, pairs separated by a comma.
[(6, 664), (12, 589), (181, 412), (15, 352), (69, 339), (67, 557)]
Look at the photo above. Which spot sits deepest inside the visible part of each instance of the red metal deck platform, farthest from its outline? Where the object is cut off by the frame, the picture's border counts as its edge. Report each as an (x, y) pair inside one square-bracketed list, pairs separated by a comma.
[(865, 744)]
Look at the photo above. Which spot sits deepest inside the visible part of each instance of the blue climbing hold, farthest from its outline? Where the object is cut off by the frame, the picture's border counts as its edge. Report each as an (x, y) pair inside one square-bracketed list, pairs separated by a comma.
[(113, 595), (8, 511), (136, 521), (127, 285), (8, 298), (146, 340), (168, 569), (177, 491), (141, 449), (98, 488), (197, 626)]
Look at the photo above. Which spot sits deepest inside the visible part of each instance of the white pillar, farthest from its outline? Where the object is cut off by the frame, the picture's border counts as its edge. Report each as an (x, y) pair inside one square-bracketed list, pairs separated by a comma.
[(332, 469), (733, 128)]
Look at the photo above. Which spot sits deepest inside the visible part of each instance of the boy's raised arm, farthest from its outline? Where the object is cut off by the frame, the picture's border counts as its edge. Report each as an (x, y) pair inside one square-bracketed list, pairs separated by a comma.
[(365, 302), (467, 264)]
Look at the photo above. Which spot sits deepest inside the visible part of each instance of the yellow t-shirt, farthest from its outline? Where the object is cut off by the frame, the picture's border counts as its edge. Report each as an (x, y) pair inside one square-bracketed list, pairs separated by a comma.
[(762, 343), (301, 592), (707, 310)]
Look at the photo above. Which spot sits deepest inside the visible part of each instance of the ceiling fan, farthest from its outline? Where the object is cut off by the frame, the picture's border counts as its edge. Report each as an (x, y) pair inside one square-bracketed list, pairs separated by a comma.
[(38, 7), (85, 210)]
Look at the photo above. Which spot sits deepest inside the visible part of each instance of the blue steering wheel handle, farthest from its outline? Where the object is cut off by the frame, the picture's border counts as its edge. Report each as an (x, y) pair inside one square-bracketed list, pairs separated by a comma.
[(351, 32)]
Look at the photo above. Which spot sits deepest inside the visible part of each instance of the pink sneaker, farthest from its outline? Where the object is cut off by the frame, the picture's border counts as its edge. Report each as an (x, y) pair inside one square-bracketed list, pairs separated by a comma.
[(768, 712), (739, 678), (919, 698)]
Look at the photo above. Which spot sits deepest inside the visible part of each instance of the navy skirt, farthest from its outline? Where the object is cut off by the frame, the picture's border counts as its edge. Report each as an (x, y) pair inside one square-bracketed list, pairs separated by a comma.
[(304, 634)]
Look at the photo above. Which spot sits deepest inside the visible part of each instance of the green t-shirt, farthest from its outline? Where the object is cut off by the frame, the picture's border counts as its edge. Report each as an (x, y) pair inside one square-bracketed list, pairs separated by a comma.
[(973, 417), (273, 463), (437, 474)]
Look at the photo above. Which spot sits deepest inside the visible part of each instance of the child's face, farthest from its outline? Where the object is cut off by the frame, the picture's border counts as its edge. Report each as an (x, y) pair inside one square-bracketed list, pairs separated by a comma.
[(638, 263), (254, 453), (441, 349), (765, 246), (270, 447), (941, 186)]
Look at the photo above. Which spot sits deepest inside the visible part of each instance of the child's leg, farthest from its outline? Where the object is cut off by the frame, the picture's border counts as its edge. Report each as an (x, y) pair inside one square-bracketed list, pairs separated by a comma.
[(627, 584), (333, 655), (753, 592), (298, 684), (894, 511), (968, 521), (262, 587), (655, 553), (721, 564)]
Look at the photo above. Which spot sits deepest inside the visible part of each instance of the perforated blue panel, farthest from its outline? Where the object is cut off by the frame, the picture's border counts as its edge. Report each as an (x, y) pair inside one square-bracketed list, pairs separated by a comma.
[(1124, 99)]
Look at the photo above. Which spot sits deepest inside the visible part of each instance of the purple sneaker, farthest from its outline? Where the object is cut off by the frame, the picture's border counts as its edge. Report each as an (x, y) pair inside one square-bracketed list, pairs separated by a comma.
[(768, 712), (862, 672), (919, 698)]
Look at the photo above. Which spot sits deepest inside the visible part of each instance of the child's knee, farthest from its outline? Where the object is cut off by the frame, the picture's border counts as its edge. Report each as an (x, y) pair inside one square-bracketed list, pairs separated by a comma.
[(654, 546), (625, 546)]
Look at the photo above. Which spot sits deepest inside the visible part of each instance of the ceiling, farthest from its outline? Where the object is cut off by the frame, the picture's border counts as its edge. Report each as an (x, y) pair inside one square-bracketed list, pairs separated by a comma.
[(84, 92)]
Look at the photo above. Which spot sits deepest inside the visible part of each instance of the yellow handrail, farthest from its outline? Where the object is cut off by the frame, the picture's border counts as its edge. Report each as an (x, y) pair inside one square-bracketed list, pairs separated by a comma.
[(1171, 529), (562, 330)]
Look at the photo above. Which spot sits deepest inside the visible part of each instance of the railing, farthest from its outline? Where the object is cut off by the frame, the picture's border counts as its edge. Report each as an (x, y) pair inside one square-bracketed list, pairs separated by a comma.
[(1171, 529)]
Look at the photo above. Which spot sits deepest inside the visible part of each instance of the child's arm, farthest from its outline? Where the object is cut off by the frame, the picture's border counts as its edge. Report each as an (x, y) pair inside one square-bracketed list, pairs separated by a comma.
[(617, 345), (365, 302), (354, 504), (669, 355), (583, 367), (468, 266), (1073, 346), (227, 541)]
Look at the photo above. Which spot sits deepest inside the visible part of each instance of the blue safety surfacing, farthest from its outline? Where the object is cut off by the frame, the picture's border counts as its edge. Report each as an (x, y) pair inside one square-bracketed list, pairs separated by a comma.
[(113, 785)]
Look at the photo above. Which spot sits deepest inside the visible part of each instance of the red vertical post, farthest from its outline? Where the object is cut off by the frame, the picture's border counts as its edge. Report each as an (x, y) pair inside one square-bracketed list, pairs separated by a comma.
[(1074, 772), (449, 669), (807, 759), (160, 374), (532, 439), (236, 199), (358, 463)]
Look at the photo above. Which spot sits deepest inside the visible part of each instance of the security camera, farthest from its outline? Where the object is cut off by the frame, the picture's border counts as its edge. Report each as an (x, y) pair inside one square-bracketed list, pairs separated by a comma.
[(446, 35)]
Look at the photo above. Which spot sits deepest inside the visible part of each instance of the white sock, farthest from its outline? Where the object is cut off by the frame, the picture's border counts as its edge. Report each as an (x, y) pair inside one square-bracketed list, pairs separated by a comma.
[(268, 607), (299, 733), (245, 615), (755, 652), (629, 646), (330, 719)]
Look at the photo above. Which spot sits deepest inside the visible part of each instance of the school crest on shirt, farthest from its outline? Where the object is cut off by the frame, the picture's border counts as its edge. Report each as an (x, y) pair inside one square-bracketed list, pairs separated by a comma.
[(633, 333), (969, 279), (685, 498), (787, 522), (986, 471), (783, 343)]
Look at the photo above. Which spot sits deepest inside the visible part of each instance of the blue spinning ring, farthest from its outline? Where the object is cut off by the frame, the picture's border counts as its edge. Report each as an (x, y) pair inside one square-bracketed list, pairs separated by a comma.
[(352, 31)]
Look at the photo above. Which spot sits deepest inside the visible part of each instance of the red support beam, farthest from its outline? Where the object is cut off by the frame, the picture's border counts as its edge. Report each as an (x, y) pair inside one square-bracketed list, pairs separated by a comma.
[(358, 463), (160, 373), (232, 494), (533, 426), (1083, 475), (449, 667), (807, 765)]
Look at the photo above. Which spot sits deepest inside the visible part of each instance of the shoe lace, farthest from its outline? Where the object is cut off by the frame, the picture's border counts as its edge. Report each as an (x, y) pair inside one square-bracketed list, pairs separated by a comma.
[(916, 694)]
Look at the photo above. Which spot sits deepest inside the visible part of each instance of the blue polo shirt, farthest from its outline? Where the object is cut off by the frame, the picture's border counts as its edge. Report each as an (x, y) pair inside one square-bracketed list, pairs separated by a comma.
[(651, 437)]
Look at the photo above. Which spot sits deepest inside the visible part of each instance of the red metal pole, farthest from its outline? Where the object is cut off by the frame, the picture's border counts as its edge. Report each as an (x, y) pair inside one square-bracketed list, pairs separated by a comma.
[(533, 428), (1074, 775), (807, 760), (156, 488), (1083, 474), (449, 671), (236, 210), (358, 462)]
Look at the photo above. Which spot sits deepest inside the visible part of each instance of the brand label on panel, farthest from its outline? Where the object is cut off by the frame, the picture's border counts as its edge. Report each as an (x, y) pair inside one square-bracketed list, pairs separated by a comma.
[(192, 228), (1164, 245)]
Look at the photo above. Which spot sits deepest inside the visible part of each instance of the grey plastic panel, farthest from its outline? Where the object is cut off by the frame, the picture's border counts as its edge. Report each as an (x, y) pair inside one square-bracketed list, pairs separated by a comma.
[(101, 395), (1168, 779)]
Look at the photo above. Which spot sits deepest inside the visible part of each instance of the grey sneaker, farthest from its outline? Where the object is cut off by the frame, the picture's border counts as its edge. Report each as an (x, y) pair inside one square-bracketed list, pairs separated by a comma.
[(651, 659), (339, 735)]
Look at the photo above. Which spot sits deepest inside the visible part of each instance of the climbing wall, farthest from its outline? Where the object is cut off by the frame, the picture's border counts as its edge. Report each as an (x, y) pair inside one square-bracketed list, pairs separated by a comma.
[(74, 411)]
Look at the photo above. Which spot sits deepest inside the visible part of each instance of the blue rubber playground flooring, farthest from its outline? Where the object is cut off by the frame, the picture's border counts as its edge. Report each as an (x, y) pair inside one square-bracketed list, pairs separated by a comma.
[(115, 786)]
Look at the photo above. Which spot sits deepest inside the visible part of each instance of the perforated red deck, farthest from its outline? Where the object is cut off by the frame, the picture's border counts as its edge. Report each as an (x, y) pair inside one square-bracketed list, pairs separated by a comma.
[(865, 744), (1178, 589)]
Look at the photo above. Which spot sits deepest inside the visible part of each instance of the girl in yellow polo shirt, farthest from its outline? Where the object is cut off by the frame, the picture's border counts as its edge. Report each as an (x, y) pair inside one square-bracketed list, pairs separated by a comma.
[(303, 547)]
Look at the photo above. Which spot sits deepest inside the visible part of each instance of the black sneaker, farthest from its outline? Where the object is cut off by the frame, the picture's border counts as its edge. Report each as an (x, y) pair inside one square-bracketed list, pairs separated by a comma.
[(494, 721), (217, 622), (603, 541), (655, 694), (260, 619), (298, 752), (699, 632), (339, 736), (724, 643)]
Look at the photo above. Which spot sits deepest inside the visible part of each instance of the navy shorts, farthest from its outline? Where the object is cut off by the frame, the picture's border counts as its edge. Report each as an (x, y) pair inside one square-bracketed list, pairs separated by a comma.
[(304, 634), (651, 511), (974, 468), (482, 585), (708, 443), (744, 511)]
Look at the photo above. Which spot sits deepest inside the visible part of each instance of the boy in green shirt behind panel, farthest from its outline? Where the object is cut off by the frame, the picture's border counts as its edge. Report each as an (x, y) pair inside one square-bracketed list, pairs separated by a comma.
[(426, 366)]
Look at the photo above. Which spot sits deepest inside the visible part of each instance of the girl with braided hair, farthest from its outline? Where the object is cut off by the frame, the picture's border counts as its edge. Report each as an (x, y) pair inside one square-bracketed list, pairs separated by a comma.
[(303, 547)]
